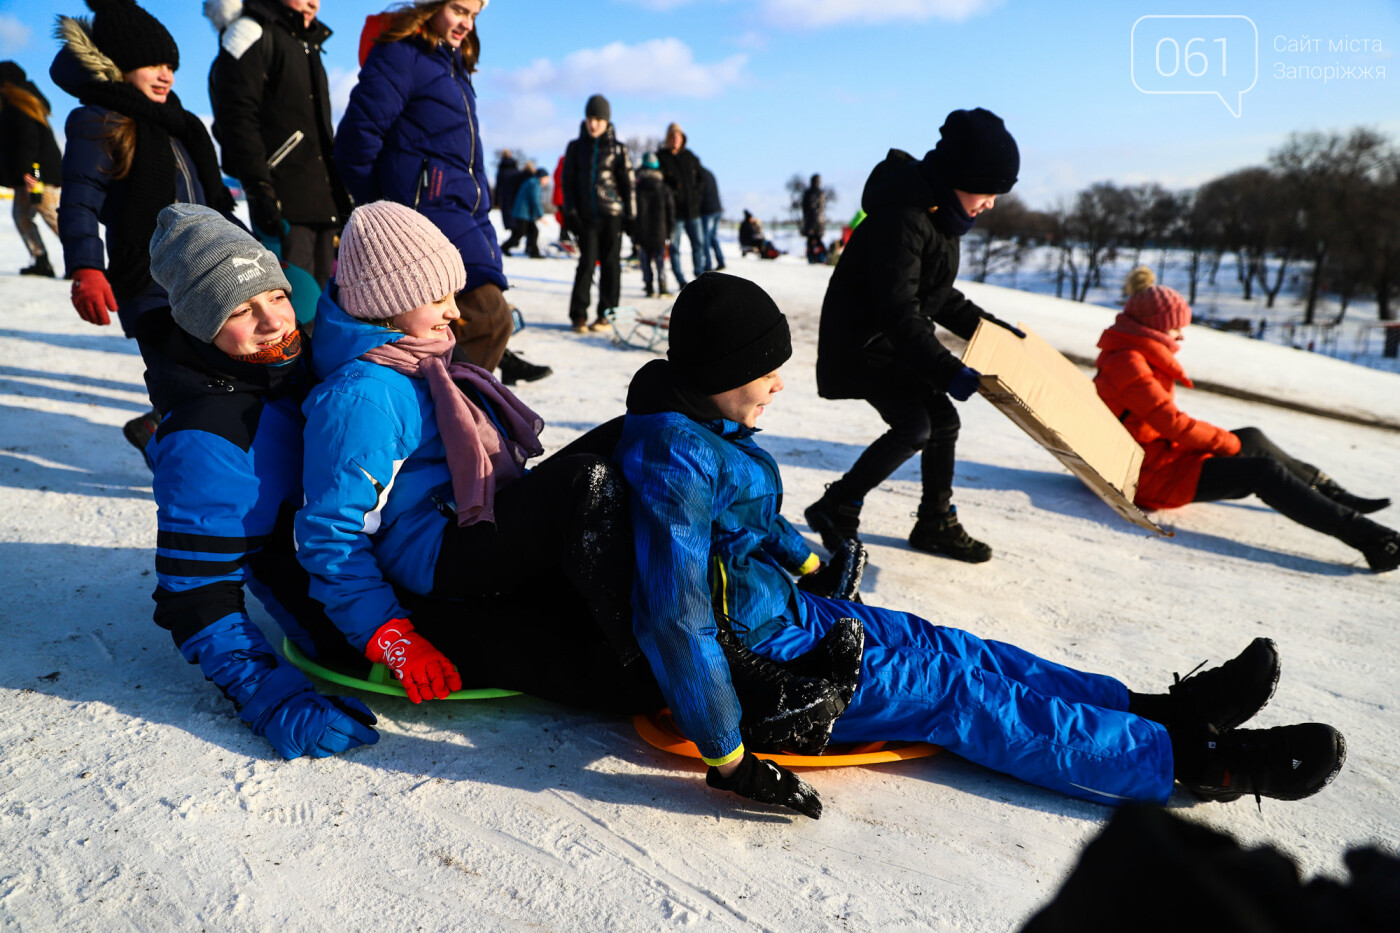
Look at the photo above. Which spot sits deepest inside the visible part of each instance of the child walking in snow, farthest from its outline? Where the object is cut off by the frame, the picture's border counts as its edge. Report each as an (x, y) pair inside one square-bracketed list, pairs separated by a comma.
[(1187, 460), (716, 560)]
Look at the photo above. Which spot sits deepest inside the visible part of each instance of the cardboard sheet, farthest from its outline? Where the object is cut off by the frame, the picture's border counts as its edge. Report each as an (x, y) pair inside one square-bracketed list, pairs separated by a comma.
[(1051, 400)]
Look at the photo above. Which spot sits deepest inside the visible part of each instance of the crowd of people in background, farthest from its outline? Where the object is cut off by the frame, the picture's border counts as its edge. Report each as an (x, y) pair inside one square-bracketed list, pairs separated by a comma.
[(377, 497)]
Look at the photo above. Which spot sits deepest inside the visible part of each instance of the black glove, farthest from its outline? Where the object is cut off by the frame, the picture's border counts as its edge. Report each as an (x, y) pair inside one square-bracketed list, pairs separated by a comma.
[(964, 383), (629, 227), (265, 210), (572, 221), (761, 780), (838, 578), (992, 318)]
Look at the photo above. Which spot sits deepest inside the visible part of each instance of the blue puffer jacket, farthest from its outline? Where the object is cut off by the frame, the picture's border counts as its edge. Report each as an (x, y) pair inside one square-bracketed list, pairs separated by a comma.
[(709, 537), (378, 490), (410, 135)]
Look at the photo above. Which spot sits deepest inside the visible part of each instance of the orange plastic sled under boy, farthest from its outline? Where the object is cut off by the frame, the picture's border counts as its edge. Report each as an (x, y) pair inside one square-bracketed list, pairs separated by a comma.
[(659, 730)]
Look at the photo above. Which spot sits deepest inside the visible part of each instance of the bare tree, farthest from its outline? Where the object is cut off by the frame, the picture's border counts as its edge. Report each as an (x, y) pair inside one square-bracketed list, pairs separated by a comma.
[(638, 146), (1001, 238), (1096, 227)]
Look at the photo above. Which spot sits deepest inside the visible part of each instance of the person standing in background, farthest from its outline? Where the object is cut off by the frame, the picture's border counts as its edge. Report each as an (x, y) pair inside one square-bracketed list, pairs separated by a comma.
[(656, 216), (30, 162), (528, 208), (272, 119), (711, 212), (814, 219), (598, 207), (681, 169)]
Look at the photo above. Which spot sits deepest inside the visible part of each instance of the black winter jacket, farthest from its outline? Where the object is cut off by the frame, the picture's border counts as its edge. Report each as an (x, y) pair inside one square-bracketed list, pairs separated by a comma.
[(272, 108), (682, 172), (598, 177), (814, 212), (25, 141), (709, 193), (509, 178), (656, 210), (893, 283)]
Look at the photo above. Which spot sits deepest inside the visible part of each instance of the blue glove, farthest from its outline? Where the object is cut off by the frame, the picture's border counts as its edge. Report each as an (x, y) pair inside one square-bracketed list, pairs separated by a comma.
[(296, 720), (964, 383)]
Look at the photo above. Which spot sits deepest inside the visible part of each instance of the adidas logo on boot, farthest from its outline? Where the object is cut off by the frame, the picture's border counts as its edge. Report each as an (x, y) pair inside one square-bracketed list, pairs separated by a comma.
[(1286, 763)]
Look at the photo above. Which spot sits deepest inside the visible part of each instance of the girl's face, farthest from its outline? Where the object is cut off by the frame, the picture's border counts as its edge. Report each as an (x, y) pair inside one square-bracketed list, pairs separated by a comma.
[(307, 8), (154, 81), (455, 21), (260, 322), (744, 404), (975, 204), (596, 126), (432, 321)]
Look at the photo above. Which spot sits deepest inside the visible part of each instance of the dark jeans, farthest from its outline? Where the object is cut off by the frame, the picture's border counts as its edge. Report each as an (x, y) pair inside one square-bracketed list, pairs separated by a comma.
[(313, 249), (599, 243), (920, 419), (1282, 482), (709, 227), (653, 259), (691, 227), (564, 526)]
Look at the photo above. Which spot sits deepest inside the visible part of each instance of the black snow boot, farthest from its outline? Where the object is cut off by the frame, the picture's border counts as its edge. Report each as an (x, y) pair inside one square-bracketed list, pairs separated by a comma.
[(1227, 695), (1378, 544), (1286, 763), (139, 430), (836, 520), (1332, 490), (781, 708), (516, 369), (839, 577), (943, 534), (41, 267)]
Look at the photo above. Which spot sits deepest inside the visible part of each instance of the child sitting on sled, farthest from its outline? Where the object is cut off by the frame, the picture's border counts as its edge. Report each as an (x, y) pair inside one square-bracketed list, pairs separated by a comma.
[(715, 561)]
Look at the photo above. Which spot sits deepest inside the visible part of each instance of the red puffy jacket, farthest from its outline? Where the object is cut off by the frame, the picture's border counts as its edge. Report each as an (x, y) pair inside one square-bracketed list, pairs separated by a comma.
[(1137, 380)]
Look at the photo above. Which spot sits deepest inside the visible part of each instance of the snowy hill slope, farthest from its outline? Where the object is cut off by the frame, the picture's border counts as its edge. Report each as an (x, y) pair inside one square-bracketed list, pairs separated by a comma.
[(131, 798)]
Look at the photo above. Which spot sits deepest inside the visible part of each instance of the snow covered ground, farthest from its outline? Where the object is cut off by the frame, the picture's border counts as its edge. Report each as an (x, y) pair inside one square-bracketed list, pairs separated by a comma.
[(132, 799)]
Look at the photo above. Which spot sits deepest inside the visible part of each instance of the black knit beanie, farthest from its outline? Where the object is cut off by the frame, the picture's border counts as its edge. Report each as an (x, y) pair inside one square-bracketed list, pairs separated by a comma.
[(598, 108), (12, 73), (975, 153), (724, 332), (131, 37)]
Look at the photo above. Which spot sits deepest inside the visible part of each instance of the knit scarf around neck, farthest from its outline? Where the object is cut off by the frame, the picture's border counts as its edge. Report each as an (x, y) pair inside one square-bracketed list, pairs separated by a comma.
[(479, 457), (1127, 325), (151, 182)]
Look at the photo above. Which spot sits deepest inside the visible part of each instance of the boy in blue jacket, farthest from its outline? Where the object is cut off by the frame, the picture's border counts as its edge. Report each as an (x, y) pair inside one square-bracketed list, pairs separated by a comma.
[(223, 363), (714, 555)]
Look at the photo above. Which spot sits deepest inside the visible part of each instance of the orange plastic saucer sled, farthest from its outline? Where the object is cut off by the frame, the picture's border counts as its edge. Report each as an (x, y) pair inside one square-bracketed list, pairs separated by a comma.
[(660, 731), (380, 679)]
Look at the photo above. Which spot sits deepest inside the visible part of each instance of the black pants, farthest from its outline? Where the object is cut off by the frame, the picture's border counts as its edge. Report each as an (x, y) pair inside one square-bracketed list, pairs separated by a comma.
[(564, 528), (653, 259), (599, 242), (313, 249), (1282, 482), (921, 419)]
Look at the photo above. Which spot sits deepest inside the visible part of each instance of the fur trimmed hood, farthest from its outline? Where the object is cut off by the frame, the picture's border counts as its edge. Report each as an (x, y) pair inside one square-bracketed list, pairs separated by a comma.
[(222, 12), (80, 61)]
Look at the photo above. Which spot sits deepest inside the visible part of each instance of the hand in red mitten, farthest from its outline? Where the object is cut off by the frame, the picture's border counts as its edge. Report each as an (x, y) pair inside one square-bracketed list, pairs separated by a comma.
[(92, 296), (423, 670)]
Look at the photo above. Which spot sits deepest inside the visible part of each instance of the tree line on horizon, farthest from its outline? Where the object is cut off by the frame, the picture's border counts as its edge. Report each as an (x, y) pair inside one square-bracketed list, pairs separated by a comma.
[(1325, 208)]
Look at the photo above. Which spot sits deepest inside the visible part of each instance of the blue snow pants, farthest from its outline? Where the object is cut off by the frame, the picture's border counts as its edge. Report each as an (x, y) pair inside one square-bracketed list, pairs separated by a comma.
[(990, 702)]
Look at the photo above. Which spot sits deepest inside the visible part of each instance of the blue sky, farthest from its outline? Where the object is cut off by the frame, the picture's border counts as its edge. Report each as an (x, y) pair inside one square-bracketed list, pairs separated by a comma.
[(769, 88)]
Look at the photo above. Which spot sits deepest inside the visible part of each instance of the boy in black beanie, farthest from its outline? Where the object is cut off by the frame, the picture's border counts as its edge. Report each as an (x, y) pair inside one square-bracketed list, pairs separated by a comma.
[(716, 561), (893, 284)]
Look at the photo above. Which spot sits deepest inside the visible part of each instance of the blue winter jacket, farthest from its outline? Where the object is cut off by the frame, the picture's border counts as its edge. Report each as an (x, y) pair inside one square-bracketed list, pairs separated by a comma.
[(527, 205), (709, 538), (410, 135), (378, 490), (227, 482)]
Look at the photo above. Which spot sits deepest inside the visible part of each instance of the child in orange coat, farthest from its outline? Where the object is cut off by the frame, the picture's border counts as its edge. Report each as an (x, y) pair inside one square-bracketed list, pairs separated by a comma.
[(1188, 460)]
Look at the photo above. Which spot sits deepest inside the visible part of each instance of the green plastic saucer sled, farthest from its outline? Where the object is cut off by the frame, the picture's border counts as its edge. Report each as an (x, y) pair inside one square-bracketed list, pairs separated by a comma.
[(380, 680), (660, 731)]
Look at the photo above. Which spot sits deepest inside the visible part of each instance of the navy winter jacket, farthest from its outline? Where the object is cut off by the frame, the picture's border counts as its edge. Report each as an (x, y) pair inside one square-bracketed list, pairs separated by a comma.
[(709, 538), (410, 135)]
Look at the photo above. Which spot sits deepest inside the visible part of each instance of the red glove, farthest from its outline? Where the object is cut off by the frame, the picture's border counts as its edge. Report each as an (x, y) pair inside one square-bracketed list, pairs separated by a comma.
[(423, 670), (92, 296)]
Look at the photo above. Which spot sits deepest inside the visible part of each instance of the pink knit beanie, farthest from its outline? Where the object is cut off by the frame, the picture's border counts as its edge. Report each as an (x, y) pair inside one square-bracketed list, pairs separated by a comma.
[(1159, 307), (393, 259)]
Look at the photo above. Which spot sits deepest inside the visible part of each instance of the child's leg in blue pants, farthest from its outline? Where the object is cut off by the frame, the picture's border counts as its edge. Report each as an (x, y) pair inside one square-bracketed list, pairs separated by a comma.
[(992, 703)]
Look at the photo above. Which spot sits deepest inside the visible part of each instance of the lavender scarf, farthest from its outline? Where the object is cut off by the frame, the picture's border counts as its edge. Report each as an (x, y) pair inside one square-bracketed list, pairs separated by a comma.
[(479, 458)]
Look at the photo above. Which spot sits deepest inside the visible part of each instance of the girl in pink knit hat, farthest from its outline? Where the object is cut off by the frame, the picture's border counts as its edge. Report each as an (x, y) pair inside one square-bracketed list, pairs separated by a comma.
[(1187, 460), (432, 546)]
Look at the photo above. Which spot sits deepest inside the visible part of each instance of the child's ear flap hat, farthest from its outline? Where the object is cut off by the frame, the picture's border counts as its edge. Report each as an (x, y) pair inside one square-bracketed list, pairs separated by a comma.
[(725, 332)]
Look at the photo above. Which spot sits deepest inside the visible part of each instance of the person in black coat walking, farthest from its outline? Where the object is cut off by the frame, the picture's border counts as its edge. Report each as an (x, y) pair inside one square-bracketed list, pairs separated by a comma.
[(30, 162), (598, 206), (814, 219), (681, 168), (656, 217), (509, 178), (272, 119), (877, 339)]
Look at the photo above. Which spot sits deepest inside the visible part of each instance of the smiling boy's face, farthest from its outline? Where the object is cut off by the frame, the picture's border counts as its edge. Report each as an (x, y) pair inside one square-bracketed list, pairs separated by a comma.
[(745, 403)]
